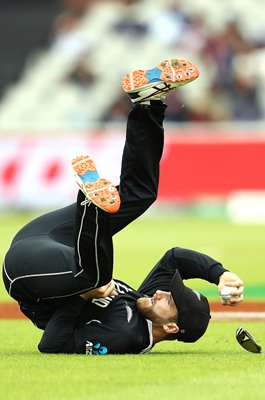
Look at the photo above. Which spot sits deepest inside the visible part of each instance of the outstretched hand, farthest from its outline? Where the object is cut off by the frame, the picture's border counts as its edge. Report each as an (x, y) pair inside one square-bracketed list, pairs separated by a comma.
[(103, 291), (232, 280)]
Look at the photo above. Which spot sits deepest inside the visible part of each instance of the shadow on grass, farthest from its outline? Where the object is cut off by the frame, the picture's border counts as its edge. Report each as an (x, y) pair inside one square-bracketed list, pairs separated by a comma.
[(192, 353)]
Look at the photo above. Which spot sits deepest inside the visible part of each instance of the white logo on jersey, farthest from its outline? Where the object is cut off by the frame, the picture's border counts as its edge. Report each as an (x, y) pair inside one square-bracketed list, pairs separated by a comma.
[(89, 347), (93, 320), (121, 288), (104, 302)]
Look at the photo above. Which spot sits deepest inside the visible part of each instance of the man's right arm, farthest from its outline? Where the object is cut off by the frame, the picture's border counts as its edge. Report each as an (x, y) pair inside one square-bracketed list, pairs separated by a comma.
[(63, 334), (59, 333), (58, 336)]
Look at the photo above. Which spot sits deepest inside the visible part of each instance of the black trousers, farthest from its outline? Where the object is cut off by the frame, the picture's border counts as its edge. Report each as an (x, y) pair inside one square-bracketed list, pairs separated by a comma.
[(69, 251)]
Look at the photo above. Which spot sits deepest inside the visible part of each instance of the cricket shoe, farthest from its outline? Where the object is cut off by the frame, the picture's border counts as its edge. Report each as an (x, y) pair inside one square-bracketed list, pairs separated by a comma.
[(99, 191), (143, 85)]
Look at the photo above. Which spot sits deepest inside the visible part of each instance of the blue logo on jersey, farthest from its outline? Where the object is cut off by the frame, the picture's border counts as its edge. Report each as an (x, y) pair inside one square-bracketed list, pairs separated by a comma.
[(98, 349)]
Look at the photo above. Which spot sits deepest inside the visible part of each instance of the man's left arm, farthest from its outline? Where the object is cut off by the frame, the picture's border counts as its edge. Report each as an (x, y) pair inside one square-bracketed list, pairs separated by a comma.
[(233, 281), (193, 264)]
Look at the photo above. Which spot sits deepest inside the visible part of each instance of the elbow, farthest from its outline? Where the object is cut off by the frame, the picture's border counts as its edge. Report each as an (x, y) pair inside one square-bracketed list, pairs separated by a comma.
[(44, 348), (54, 348)]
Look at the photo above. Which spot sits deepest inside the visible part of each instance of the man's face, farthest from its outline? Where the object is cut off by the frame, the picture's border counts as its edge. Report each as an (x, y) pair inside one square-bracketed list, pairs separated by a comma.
[(159, 309)]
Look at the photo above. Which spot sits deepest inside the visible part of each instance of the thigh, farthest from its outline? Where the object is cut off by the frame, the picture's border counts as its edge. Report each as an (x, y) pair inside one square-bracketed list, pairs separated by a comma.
[(40, 268), (59, 224), (93, 242)]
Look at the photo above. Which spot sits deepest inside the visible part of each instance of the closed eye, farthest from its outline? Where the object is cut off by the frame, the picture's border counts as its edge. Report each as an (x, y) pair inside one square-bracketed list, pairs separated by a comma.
[(170, 300)]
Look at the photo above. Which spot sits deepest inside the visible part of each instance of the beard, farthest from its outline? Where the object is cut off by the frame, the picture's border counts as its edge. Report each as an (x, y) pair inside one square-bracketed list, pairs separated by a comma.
[(145, 307)]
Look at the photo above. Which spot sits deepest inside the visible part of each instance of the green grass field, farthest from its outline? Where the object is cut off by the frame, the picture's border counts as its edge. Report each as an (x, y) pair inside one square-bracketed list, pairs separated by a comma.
[(215, 367)]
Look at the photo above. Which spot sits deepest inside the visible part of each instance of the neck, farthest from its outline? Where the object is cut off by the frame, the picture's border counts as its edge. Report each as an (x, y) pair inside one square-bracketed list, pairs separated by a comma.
[(158, 334)]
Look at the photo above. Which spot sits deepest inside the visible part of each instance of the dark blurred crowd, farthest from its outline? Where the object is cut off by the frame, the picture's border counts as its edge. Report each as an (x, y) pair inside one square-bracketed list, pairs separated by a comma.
[(228, 56)]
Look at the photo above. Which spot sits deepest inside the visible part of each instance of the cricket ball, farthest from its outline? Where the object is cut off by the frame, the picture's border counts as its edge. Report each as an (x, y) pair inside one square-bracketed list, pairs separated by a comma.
[(226, 292)]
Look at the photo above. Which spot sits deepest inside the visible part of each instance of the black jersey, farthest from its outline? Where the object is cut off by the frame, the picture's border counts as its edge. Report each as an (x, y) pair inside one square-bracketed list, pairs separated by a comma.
[(111, 325)]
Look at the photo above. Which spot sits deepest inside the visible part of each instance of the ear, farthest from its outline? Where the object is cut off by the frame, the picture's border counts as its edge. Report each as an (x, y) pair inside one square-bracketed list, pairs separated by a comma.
[(171, 327)]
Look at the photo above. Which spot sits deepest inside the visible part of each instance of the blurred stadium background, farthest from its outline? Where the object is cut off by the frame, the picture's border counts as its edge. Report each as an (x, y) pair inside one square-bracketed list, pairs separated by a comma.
[(60, 95)]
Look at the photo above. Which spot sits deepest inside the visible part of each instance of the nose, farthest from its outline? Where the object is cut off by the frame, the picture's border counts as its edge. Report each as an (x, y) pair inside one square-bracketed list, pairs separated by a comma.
[(160, 294)]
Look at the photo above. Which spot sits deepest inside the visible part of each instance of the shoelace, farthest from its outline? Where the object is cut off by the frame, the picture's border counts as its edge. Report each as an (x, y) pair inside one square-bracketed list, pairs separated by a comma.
[(86, 201)]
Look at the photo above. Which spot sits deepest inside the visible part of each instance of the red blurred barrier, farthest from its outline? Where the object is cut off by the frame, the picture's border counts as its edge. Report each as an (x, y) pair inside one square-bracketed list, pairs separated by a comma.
[(211, 168), (35, 171)]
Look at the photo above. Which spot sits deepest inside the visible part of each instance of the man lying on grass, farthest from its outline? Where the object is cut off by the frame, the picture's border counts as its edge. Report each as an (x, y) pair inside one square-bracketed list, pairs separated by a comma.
[(59, 266), (116, 319)]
